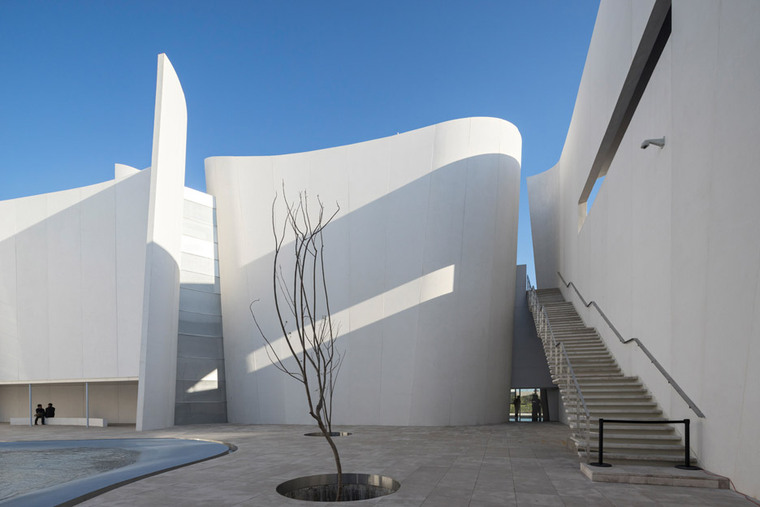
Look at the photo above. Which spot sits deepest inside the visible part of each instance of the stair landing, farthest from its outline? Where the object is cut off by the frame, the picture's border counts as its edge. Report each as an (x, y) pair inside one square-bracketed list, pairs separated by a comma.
[(655, 475)]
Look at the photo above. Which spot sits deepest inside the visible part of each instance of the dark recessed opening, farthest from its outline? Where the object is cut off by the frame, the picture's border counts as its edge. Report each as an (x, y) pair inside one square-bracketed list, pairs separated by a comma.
[(324, 487), (332, 434)]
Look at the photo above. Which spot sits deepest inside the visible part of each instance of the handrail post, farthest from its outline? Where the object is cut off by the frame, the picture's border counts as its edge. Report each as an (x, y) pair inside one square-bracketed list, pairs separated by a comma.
[(601, 462), (577, 416)]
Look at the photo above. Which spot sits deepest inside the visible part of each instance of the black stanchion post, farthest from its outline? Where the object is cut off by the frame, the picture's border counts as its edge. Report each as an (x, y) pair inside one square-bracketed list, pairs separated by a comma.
[(601, 462), (687, 450)]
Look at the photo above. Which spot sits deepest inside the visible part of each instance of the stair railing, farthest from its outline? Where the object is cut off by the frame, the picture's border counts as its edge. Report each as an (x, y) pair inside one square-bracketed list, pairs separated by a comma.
[(655, 362), (562, 370)]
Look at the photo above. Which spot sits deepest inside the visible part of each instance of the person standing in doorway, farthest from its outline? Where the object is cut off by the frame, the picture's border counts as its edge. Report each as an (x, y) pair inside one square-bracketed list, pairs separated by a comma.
[(516, 403), (39, 414), (535, 405), (49, 411)]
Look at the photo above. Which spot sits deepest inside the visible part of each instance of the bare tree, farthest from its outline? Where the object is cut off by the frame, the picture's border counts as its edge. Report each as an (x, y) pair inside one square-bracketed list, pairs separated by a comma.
[(301, 295)]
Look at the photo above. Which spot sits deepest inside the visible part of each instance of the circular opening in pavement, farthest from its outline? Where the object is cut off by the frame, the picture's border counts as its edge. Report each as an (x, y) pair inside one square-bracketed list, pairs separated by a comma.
[(324, 487), (332, 434)]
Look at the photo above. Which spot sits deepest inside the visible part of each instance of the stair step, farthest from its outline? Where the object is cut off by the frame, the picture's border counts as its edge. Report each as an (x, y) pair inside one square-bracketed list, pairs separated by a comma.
[(631, 389), (593, 377), (591, 361), (639, 448), (585, 357), (613, 382), (673, 439), (590, 402), (615, 394), (596, 371), (625, 415), (620, 408), (614, 457), (613, 397), (632, 429)]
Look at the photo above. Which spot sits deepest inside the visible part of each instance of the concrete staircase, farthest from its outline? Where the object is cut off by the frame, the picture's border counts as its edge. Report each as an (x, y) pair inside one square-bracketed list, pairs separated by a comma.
[(607, 392)]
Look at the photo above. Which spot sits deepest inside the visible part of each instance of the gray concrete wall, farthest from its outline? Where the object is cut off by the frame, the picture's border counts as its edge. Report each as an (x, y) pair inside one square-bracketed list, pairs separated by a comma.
[(201, 393), (529, 367)]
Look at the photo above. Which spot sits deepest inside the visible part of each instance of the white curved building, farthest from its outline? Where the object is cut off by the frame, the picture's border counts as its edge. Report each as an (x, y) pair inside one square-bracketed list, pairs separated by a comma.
[(112, 305), (420, 271)]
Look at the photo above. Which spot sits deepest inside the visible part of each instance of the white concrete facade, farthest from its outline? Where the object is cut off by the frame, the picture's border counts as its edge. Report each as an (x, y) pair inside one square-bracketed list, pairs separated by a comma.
[(670, 248), (420, 269), (111, 301)]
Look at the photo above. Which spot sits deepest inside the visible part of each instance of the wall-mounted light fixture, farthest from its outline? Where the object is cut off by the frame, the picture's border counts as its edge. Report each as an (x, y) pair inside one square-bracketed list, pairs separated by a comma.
[(659, 142)]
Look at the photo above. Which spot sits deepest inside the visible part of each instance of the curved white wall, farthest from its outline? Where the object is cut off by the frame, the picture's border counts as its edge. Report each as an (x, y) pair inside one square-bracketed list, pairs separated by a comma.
[(421, 272), (158, 352), (671, 246)]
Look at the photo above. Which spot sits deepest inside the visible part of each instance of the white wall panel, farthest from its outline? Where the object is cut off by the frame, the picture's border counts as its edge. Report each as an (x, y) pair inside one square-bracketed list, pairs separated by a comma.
[(32, 298), (65, 322), (99, 328), (10, 359), (131, 227)]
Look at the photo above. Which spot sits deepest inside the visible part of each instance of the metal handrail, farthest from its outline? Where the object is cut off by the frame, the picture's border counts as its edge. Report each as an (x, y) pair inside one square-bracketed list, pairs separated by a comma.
[(655, 362), (555, 352)]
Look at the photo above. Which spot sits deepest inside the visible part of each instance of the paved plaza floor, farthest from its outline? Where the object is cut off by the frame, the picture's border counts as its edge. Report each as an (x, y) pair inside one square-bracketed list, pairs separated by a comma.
[(497, 465)]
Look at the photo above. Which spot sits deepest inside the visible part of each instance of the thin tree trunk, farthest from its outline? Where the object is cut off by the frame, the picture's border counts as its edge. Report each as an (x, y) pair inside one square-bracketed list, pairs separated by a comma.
[(338, 466)]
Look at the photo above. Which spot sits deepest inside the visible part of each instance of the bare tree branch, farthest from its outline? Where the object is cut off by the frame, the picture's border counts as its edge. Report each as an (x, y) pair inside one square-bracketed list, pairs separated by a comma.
[(302, 294)]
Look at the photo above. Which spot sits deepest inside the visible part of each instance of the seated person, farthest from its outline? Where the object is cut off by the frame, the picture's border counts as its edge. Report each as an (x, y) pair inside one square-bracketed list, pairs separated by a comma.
[(39, 414)]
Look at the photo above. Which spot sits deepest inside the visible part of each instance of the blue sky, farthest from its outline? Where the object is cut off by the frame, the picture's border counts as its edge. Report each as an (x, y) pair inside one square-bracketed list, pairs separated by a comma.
[(77, 79)]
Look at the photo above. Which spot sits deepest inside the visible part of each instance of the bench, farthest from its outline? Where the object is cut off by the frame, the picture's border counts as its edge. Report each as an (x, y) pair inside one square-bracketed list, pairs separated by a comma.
[(63, 421)]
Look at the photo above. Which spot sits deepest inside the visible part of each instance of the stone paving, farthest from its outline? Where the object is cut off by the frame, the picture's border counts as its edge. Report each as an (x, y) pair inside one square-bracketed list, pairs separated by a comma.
[(499, 465)]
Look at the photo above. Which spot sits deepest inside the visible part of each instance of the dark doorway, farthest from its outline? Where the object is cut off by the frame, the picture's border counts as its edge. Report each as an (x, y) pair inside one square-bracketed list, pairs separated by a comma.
[(529, 405)]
